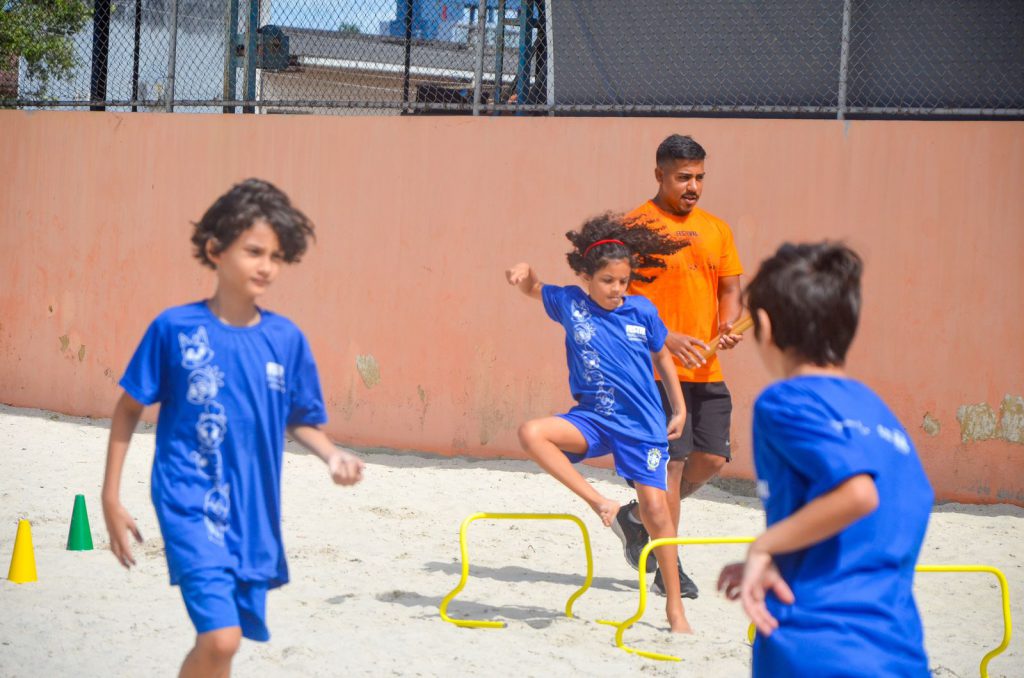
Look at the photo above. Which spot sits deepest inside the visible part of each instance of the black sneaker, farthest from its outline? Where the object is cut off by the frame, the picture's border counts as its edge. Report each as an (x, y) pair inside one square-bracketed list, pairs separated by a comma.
[(687, 589), (634, 538)]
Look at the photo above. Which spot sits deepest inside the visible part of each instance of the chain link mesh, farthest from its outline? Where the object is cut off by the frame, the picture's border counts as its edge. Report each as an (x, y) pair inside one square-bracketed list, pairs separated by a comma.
[(823, 58)]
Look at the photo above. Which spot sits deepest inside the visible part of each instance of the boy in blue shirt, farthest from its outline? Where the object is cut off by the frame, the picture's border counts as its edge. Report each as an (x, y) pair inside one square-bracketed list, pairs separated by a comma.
[(230, 378), (610, 338), (829, 584)]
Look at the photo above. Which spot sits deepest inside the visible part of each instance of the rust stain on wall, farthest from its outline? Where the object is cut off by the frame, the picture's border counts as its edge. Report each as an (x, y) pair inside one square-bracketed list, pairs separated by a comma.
[(81, 353), (64, 341), (930, 424), (368, 369)]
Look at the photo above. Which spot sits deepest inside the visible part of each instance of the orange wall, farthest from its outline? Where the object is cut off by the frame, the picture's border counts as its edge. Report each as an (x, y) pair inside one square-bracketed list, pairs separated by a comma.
[(418, 217)]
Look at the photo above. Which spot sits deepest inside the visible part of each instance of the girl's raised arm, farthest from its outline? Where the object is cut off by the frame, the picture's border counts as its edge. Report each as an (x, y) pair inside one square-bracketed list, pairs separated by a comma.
[(523, 276)]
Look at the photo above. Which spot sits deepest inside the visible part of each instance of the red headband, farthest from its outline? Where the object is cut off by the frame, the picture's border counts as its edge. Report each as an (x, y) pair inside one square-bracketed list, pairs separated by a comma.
[(602, 242)]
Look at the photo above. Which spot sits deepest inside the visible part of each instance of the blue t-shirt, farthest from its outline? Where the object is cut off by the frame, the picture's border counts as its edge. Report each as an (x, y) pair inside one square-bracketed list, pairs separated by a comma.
[(854, 613), (226, 396), (609, 357)]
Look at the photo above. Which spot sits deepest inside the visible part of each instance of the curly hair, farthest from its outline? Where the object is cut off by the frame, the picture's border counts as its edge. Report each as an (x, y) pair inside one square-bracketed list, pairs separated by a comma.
[(237, 210), (635, 239)]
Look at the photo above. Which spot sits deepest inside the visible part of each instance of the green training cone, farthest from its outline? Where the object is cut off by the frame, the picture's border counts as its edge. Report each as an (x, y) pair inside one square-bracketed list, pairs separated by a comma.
[(80, 536)]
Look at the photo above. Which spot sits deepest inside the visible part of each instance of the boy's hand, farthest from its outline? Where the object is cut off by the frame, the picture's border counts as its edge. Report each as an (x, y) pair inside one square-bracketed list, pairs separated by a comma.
[(675, 426), (750, 582), (517, 273), (119, 524), (345, 467), (726, 339), (688, 349)]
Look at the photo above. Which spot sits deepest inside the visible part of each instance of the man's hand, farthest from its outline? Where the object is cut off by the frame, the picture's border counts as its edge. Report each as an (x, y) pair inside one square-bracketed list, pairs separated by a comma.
[(726, 339), (688, 349), (345, 467), (119, 524), (517, 274)]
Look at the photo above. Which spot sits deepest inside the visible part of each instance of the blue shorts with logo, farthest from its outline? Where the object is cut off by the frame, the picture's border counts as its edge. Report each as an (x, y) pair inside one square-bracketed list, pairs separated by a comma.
[(216, 599), (637, 460)]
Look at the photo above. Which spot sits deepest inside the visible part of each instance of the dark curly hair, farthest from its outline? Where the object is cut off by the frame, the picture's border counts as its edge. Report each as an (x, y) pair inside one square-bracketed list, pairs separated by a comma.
[(811, 293), (237, 210), (638, 241)]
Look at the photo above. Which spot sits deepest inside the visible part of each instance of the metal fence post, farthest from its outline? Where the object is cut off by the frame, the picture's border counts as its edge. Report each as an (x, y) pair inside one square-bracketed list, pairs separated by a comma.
[(844, 61), (481, 30), (408, 52), (250, 55), (100, 52), (230, 58), (172, 50), (499, 53), (135, 54)]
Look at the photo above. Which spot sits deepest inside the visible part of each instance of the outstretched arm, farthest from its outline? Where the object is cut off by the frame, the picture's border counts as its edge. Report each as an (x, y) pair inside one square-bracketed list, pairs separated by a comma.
[(524, 277), (670, 380), (821, 519), (345, 467), (119, 521)]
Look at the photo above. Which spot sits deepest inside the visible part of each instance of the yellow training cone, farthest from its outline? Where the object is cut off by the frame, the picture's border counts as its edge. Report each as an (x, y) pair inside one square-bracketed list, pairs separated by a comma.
[(23, 561)]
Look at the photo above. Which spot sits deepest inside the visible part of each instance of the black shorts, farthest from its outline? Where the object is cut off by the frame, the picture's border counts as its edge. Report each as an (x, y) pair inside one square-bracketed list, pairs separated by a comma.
[(708, 418)]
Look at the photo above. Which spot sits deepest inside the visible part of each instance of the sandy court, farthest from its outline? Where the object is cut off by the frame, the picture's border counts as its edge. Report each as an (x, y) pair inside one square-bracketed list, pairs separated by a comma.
[(370, 565)]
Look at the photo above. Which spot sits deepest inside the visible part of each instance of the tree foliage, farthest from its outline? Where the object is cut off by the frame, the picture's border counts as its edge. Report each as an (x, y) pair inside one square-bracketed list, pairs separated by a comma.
[(40, 32)]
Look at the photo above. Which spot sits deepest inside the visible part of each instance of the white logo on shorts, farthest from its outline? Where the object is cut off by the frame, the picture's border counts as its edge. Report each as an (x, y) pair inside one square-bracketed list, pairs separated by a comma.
[(653, 459)]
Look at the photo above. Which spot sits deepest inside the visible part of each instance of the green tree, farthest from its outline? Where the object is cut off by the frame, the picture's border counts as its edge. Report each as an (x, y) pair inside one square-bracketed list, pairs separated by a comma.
[(347, 28), (40, 32)]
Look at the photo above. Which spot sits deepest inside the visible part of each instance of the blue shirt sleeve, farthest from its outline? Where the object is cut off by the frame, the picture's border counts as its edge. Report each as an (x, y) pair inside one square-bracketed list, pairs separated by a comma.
[(810, 443), (306, 399), (144, 378), (554, 298), (656, 330)]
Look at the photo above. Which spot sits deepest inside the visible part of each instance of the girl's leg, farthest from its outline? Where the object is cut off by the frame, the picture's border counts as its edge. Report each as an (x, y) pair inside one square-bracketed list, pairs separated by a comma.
[(212, 653), (544, 440), (657, 518)]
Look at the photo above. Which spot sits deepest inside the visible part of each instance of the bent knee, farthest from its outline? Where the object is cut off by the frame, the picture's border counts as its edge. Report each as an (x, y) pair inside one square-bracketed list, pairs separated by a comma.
[(221, 644)]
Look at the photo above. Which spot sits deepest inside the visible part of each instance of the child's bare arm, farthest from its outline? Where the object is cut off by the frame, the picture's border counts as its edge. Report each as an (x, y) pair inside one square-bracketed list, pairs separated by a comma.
[(345, 467), (119, 522), (821, 519), (826, 516), (667, 371), (524, 277)]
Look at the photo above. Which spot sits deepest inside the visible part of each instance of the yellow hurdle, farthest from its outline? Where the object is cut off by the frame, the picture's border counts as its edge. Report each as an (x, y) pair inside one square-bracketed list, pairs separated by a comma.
[(482, 623), (686, 541)]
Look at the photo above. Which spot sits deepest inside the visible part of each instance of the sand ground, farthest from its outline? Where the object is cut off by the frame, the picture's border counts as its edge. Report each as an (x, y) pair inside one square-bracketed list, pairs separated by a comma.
[(371, 564)]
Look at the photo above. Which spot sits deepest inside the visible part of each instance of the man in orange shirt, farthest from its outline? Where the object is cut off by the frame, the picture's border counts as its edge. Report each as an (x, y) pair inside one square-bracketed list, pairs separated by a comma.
[(698, 297)]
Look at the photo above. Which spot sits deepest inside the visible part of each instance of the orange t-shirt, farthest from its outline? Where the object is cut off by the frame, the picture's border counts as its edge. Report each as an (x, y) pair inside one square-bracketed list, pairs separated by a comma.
[(686, 292)]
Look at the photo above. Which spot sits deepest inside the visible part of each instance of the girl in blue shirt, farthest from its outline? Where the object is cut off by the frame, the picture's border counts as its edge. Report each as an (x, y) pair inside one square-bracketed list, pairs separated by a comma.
[(610, 338), (230, 378), (829, 584)]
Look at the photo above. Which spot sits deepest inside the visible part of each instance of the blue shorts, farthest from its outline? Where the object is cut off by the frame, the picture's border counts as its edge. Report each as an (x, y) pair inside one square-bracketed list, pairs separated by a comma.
[(637, 460), (215, 599)]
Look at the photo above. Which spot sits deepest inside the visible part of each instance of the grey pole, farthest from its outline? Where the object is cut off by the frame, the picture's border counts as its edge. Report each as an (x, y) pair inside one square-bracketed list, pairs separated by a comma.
[(844, 61), (230, 57), (481, 28), (499, 53), (250, 55), (172, 55)]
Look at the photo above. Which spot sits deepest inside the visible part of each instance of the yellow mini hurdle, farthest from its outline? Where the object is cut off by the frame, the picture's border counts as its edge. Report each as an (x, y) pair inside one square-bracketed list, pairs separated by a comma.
[(686, 541), (482, 623)]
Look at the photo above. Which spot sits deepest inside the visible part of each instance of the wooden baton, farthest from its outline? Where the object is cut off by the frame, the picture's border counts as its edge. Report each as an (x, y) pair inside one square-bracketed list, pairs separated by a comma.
[(741, 326)]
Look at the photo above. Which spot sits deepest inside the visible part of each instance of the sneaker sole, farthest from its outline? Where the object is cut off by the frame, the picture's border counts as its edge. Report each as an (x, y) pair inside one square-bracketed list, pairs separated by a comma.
[(625, 544)]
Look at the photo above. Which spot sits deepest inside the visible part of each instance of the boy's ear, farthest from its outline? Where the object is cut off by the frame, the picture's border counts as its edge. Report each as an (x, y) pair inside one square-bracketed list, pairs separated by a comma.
[(658, 174), (211, 250), (764, 326)]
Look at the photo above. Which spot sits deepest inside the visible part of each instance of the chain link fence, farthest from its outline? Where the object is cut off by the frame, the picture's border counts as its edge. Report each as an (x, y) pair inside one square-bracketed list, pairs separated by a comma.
[(810, 58)]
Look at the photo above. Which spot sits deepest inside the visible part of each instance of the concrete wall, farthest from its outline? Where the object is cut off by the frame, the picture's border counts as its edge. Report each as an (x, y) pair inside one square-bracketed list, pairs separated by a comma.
[(420, 342)]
